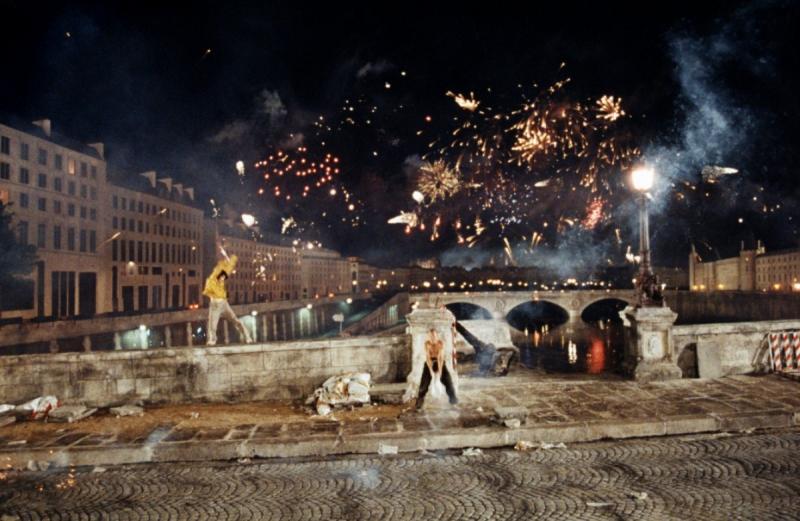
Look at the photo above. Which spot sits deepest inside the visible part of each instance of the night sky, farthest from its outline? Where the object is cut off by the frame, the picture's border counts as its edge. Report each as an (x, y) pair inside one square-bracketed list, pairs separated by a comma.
[(191, 90)]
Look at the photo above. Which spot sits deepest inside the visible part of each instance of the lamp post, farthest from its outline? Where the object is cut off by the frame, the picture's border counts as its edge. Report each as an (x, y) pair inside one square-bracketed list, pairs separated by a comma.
[(648, 294)]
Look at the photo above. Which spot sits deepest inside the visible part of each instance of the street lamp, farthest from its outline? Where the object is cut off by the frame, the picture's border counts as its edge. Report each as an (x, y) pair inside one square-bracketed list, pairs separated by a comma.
[(648, 293)]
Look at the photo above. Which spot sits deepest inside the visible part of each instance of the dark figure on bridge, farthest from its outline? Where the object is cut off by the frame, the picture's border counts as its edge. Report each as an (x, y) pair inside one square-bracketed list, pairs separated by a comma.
[(488, 358), (435, 370)]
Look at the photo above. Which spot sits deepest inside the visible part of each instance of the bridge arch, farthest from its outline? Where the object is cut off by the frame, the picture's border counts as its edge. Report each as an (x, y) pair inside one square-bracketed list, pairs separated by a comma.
[(535, 313), (468, 311), (606, 308)]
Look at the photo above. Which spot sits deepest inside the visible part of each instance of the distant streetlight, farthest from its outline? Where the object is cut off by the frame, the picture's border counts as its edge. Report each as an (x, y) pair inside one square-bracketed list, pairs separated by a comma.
[(648, 292), (248, 220)]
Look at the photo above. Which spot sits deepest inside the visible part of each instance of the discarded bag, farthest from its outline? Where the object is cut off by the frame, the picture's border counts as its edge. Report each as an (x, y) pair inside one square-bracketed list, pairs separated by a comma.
[(37, 408), (6, 408), (346, 389), (387, 449), (70, 413)]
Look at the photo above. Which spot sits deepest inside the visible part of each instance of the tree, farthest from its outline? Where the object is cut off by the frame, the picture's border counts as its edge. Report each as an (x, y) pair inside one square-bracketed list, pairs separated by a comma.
[(16, 261)]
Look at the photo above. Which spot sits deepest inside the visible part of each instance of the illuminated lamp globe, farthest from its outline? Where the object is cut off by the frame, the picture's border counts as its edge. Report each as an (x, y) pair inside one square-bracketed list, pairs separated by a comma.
[(248, 220), (642, 178)]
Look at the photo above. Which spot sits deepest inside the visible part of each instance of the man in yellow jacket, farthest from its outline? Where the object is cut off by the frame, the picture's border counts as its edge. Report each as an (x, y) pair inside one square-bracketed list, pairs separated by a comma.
[(219, 307)]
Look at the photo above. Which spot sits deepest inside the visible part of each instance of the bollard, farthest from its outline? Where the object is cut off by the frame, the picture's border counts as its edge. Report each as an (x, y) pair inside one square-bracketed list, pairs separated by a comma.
[(87, 344), (117, 342), (167, 336), (189, 339), (225, 336)]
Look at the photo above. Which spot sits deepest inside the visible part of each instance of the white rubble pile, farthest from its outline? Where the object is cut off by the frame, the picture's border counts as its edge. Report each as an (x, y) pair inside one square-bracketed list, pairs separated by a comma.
[(37, 408), (345, 389)]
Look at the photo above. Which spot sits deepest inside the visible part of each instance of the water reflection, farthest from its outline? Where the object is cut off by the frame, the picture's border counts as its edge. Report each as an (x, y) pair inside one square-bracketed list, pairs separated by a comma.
[(572, 347)]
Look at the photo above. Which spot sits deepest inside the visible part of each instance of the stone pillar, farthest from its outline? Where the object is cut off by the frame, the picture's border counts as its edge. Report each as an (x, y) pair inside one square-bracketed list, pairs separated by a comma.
[(87, 343), (167, 336), (274, 327), (284, 335), (142, 338), (264, 328), (312, 329), (291, 320), (420, 322), (117, 342), (225, 332), (53, 346), (649, 344), (189, 339)]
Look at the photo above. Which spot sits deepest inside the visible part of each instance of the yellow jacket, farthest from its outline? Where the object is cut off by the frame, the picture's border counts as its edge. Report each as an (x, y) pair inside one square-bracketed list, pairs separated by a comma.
[(215, 288)]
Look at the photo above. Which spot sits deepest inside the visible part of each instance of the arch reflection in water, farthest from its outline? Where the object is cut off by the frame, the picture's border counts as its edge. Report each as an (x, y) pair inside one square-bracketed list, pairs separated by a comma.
[(549, 341)]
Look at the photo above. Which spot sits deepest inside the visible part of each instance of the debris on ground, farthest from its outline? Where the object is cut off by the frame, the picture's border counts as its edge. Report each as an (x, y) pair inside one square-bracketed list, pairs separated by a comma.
[(384, 449), (7, 420), (98, 470), (471, 451), (512, 423), (34, 465), (6, 408), (599, 504), (8, 517), (17, 442), (641, 496), (345, 389), (244, 461), (37, 408), (194, 415), (70, 413), (126, 410), (524, 446)]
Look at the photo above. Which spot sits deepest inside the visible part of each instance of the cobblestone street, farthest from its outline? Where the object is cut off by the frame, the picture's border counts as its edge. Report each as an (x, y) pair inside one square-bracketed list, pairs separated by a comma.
[(706, 477)]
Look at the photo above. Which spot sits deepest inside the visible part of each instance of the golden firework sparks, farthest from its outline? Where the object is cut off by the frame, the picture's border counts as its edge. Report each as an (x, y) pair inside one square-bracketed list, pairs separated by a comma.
[(438, 181), (466, 103), (609, 108)]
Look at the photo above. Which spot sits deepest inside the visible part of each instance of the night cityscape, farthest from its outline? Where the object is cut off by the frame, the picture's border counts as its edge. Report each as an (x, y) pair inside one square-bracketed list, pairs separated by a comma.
[(278, 261)]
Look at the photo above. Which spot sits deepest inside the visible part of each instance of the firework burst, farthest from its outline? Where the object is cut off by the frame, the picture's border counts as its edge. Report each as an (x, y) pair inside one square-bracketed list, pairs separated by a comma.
[(437, 181)]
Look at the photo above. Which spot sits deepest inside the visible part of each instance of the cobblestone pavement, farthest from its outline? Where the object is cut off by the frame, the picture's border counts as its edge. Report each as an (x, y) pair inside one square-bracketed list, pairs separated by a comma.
[(711, 477)]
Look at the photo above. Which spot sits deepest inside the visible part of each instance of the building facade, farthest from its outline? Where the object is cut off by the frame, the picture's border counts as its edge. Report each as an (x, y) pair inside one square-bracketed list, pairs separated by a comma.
[(751, 270), (53, 185), (154, 248)]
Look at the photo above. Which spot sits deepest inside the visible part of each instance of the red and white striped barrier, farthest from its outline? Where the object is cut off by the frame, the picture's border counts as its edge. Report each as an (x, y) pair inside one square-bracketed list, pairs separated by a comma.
[(784, 351)]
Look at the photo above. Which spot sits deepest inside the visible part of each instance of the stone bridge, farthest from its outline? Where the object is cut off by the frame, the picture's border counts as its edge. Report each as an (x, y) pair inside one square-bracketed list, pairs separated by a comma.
[(500, 304)]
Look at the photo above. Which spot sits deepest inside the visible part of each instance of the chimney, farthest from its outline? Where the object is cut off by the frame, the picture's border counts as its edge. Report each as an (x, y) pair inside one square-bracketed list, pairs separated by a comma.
[(100, 148), (45, 125)]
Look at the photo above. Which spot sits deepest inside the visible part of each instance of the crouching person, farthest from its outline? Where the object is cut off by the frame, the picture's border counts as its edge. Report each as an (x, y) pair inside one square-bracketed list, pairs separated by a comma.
[(219, 307), (435, 370)]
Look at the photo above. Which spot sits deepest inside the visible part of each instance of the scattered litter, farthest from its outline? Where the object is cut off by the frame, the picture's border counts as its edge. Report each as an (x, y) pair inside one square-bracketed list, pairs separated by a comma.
[(5, 408), (194, 415), (98, 470), (386, 449), (507, 413), (8, 517), (512, 423), (599, 504), (37, 408), (523, 446), (34, 465), (243, 460), (479, 409), (7, 420), (424, 452), (751, 430), (70, 413), (18, 442), (345, 389), (641, 496), (471, 451), (126, 410)]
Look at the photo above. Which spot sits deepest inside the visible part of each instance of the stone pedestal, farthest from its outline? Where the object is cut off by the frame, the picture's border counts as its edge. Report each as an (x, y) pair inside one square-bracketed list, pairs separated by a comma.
[(648, 343), (420, 322)]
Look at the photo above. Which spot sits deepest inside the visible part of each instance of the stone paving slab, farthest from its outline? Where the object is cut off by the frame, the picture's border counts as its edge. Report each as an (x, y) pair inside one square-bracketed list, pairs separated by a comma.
[(559, 410)]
